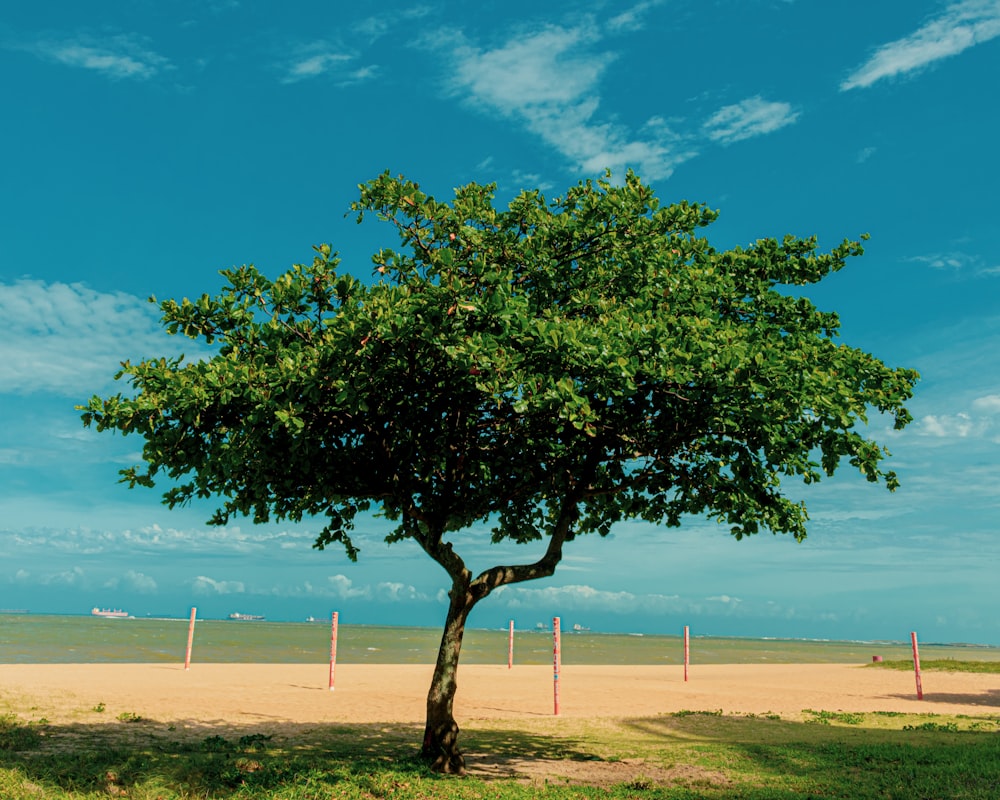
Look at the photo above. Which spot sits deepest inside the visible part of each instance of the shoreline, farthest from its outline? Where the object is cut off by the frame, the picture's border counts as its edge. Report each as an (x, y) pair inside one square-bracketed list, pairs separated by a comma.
[(254, 696), (81, 640)]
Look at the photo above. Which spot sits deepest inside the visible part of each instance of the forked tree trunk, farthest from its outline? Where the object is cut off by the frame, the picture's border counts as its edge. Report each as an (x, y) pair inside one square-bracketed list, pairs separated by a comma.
[(440, 746)]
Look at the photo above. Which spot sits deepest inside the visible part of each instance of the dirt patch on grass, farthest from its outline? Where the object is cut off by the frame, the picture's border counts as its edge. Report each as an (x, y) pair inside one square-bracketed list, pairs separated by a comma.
[(636, 773)]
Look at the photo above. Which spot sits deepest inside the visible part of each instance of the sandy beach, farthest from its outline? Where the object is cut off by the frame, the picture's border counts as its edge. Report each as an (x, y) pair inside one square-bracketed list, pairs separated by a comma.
[(248, 695)]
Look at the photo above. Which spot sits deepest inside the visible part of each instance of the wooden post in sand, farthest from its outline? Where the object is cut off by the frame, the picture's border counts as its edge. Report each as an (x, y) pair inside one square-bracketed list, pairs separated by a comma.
[(556, 663), (187, 656), (916, 665), (333, 647), (510, 645), (687, 652)]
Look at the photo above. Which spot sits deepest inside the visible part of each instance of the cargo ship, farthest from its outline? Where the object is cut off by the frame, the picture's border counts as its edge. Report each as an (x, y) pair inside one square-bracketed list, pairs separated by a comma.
[(109, 613), (236, 615)]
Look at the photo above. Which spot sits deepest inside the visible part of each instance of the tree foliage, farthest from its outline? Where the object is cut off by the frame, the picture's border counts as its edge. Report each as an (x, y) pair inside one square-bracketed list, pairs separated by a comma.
[(547, 370)]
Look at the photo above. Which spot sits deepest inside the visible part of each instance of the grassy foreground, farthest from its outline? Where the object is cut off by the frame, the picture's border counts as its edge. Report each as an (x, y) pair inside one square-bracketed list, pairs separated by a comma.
[(697, 754)]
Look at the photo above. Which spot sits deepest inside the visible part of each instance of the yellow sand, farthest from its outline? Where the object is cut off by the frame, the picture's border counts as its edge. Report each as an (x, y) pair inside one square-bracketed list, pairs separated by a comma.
[(242, 695)]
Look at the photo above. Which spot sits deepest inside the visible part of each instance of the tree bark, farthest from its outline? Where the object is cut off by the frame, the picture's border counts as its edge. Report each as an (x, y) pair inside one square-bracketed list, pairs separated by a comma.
[(440, 746)]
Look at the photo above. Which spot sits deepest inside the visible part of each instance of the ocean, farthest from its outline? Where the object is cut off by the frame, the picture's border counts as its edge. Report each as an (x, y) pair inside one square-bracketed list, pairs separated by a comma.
[(55, 639)]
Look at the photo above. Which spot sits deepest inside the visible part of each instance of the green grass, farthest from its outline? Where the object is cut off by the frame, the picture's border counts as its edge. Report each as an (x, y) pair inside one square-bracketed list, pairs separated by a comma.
[(681, 756), (943, 665)]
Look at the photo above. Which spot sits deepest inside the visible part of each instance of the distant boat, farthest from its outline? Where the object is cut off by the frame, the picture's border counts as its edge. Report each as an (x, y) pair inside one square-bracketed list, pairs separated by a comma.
[(109, 613), (245, 617), (578, 628)]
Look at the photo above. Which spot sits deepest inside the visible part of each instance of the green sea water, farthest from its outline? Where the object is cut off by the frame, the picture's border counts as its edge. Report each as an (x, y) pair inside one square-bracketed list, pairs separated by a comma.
[(43, 639)]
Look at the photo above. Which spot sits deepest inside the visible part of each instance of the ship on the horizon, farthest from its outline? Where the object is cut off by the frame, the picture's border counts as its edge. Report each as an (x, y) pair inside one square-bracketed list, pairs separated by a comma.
[(246, 617), (109, 613)]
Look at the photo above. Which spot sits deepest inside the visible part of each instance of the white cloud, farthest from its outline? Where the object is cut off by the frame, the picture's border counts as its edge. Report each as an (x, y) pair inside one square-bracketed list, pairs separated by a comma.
[(545, 69), (587, 598), (69, 577), (135, 581), (549, 80), (9, 455), (961, 26), (865, 154), (204, 585), (157, 541), (118, 57), (343, 587), (392, 592), (725, 599), (70, 339), (954, 426), (748, 118), (989, 404), (580, 599)]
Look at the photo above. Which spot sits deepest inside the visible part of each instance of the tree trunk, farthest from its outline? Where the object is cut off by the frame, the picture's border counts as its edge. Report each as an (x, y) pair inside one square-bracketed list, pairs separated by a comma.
[(440, 746)]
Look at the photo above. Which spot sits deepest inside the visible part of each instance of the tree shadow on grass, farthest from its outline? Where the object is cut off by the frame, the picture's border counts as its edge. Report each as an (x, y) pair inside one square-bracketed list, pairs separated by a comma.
[(705, 755), (217, 760)]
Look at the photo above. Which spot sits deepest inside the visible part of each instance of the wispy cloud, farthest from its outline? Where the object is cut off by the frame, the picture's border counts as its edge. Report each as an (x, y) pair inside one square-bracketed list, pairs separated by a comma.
[(312, 66), (549, 80), (632, 18), (961, 26), (865, 154), (373, 28), (121, 57), (70, 339), (958, 262), (752, 117), (324, 59)]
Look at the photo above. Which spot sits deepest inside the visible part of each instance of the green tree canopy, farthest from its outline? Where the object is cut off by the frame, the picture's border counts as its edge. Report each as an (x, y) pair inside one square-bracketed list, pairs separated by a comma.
[(546, 370)]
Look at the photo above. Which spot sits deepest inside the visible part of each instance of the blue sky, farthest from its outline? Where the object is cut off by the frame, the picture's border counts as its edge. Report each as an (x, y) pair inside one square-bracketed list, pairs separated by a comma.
[(147, 145)]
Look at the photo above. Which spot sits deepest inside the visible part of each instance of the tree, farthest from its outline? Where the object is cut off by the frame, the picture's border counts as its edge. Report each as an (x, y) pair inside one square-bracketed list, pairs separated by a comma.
[(546, 370)]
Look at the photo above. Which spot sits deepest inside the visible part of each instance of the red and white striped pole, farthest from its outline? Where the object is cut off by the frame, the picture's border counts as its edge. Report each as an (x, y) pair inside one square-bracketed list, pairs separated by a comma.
[(556, 663), (187, 656), (916, 665), (687, 652), (333, 647), (510, 645)]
